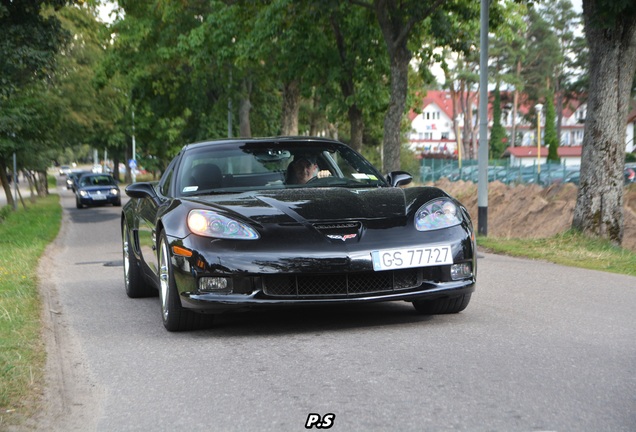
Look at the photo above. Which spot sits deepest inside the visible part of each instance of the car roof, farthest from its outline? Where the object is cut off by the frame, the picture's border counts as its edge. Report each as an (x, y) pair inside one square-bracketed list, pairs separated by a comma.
[(277, 140)]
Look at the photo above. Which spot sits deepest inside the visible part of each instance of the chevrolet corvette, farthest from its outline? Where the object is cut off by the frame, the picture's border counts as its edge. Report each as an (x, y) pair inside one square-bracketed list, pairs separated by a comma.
[(291, 221)]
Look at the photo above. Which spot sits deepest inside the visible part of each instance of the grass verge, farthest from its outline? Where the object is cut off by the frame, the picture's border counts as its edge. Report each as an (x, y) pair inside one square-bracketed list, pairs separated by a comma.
[(24, 235), (570, 248)]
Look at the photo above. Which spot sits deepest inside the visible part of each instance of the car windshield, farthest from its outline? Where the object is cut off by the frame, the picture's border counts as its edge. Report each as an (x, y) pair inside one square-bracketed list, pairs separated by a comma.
[(98, 180), (238, 167)]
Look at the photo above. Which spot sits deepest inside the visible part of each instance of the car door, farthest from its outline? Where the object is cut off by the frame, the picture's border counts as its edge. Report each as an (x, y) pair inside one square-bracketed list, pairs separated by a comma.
[(148, 212)]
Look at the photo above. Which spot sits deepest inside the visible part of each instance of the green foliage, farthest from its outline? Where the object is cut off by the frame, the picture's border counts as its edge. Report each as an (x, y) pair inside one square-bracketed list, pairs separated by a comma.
[(30, 40), (23, 236), (498, 138), (550, 134), (543, 56)]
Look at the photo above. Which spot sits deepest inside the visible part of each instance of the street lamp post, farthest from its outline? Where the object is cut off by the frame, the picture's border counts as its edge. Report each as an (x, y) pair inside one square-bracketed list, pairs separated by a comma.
[(538, 108)]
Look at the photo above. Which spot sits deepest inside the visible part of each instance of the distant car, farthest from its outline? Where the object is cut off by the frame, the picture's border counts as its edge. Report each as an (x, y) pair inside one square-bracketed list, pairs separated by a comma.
[(229, 226), (71, 178), (65, 170), (97, 189), (629, 176)]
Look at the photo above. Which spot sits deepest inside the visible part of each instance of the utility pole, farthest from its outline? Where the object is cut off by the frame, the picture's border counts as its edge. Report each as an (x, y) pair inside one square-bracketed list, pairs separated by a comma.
[(482, 186)]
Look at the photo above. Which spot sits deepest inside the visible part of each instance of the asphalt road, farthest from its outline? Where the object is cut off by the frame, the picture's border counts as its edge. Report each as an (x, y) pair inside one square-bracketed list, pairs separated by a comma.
[(541, 347)]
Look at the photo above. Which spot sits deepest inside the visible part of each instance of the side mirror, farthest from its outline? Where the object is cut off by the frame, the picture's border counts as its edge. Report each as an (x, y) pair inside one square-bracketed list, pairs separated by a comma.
[(399, 178), (141, 190)]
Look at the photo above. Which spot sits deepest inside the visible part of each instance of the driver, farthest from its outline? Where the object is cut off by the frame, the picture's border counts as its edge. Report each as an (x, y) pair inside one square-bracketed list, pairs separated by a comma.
[(301, 170)]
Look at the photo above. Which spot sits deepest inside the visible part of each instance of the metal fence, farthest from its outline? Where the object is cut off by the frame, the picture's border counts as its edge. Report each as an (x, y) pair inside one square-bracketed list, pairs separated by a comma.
[(501, 170)]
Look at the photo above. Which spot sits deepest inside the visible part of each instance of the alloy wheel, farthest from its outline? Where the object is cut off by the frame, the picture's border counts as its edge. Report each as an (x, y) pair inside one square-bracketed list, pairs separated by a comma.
[(164, 279)]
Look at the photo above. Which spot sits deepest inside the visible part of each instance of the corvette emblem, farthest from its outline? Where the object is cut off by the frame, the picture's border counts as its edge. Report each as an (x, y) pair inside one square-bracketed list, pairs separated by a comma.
[(342, 237)]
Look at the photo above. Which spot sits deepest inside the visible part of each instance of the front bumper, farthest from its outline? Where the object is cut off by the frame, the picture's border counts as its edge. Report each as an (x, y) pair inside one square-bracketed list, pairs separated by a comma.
[(91, 200), (262, 278)]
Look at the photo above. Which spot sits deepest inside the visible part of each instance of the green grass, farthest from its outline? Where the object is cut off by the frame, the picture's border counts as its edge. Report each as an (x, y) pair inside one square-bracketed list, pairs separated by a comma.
[(570, 249), (24, 235)]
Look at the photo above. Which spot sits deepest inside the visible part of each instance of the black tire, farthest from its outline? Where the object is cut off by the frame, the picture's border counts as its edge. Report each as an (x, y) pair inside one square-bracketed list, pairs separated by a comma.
[(78, 204), (444, 305), (117, 203), (136, 285), (175, 317)]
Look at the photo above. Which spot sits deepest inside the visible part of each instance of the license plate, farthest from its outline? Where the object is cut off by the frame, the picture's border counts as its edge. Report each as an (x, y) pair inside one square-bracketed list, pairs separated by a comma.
[(98, 197), (390, 259)]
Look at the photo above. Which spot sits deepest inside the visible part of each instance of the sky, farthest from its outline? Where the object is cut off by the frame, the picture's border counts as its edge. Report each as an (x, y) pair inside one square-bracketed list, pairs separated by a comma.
[(104, 11)]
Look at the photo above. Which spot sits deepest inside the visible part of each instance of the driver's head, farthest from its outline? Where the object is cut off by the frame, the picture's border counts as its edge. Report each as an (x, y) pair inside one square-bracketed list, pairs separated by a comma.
[(305, 168)]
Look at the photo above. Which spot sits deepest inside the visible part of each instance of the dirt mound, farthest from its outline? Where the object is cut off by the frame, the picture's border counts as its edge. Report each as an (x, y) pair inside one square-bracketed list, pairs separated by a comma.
[(530, 211)]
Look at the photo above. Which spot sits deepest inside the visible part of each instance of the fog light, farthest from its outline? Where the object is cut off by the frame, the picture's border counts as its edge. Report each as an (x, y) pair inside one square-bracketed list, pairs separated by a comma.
[(461, 271), (219, 285)]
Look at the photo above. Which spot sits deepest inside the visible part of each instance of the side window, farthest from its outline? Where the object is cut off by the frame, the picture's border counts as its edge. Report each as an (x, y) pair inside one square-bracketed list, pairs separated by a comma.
[(164, 187), (164, 183)]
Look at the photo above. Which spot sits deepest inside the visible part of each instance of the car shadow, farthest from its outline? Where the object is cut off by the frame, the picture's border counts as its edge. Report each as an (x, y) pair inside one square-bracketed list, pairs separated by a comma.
[(94, 214), (289, 321)]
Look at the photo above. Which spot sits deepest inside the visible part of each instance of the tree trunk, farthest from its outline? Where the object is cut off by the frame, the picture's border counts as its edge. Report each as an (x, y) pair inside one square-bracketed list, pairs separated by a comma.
[(599, 204), (392, 145), (291, 105), (559, 112), (357, 127), (43, 190), (245, 106), (5, 182), (116, 172)]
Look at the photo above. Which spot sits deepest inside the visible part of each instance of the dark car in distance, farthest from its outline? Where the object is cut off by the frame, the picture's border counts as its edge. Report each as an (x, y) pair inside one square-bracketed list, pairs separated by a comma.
[(72, 177), (230, 226), (96, 189)]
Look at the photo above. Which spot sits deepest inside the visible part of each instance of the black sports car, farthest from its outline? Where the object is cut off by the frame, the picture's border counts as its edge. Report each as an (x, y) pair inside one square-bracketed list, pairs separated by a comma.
[(244, 223), (96, 189)]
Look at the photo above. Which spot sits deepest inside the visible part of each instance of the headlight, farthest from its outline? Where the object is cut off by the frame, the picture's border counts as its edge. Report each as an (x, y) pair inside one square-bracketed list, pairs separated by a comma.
[(114, 191), (437, 214), (211, 224), (83, 193)]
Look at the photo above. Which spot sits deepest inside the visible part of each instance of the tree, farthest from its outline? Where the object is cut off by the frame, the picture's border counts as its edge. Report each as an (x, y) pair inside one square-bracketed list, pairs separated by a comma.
[(508, 48), (563, 21), (361, 65), (30, 39), (498, 133), (550, 130), (542, 57), (610, 30)]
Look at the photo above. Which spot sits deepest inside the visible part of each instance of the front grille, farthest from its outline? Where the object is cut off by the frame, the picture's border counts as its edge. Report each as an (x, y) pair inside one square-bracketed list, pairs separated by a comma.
[(345, 284)]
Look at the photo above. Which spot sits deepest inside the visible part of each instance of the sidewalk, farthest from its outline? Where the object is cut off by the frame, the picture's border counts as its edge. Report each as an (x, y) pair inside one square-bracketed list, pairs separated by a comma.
[(24, 190)]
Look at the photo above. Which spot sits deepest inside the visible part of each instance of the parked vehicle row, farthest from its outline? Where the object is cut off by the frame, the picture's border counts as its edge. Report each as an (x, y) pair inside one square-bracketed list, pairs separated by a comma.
[(545, 175), (93, 189)]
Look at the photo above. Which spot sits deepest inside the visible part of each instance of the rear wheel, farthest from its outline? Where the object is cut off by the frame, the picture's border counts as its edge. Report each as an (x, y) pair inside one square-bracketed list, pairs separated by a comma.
[(444, 305), (136, 285), (175, 317)]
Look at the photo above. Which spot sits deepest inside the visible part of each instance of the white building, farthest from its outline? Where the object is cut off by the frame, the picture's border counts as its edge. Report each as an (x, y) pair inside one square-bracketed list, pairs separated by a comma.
[(433, 132)]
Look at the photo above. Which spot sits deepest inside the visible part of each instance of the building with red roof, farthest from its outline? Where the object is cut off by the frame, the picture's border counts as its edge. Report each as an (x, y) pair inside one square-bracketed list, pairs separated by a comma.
[(434, 133)]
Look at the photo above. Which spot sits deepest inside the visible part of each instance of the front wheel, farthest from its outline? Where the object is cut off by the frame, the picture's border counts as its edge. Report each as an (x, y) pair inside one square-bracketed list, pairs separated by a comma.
[(444, 305), (136, 285), (175, 317)]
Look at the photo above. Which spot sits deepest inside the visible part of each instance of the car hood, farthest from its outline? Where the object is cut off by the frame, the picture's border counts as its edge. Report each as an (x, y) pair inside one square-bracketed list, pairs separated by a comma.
[(97, 188), (320, 204)]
